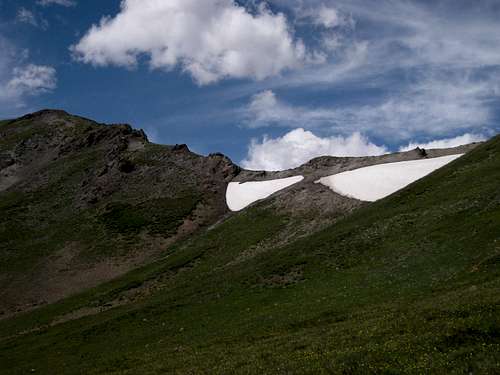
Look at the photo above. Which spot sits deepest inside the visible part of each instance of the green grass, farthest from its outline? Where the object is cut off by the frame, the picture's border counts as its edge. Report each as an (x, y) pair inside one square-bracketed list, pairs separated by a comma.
[(408, 284), (151, 155), (19, 133), (34, 224), (38, 222), (160, 216)]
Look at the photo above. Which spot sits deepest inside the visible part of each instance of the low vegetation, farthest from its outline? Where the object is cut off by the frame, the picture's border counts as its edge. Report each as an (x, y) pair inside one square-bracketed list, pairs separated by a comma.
[(408, 284), (82, 203)]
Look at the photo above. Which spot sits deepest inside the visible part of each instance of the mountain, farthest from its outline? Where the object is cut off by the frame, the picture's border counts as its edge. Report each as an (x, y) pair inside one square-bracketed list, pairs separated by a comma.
[(305, 282), (82, 203)]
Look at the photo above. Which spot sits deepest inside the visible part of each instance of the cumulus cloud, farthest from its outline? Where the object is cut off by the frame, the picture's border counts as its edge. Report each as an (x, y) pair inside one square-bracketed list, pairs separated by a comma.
[(64, 3), (446, 143), (299, 146), (210, 39)]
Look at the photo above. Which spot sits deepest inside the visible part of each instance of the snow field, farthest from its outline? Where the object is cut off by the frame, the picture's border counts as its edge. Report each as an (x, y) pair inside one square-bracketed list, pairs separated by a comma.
[(241, 195), (379, 181)]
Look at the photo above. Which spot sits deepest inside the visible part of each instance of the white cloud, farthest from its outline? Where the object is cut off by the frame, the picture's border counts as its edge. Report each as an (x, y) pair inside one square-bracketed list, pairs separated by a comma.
[(22, 82), (27, 16), (20, 79), (32, 79), (432, 107), (265, 109), (446, 143), (413, 33), (299, 146), (434, 69), (64, 3), (328, 17), (405, 35), (210, 39)]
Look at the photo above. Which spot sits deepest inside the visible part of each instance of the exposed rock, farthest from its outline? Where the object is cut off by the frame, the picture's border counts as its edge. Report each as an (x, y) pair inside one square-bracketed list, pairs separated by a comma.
[(6, 161), (182, 147)]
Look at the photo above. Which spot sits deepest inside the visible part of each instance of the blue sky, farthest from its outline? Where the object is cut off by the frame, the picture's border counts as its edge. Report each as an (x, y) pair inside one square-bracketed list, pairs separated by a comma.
[(269, 83)]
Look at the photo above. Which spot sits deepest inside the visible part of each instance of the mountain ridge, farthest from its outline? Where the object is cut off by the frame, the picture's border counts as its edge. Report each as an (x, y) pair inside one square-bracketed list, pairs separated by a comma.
[(120, 182), (69, 166), (407, 284)]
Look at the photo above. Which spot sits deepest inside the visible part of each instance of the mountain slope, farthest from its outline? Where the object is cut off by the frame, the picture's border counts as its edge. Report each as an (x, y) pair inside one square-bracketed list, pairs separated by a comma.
[(310, 198), (408, 284), (82, 203)]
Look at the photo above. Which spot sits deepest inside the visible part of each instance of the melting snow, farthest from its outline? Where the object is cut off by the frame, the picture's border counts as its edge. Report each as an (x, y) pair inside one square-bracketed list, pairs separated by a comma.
[(240, 195), (378, 181)]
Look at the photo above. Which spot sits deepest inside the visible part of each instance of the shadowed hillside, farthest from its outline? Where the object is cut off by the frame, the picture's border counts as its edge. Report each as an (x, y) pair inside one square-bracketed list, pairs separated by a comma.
[(82, 203)]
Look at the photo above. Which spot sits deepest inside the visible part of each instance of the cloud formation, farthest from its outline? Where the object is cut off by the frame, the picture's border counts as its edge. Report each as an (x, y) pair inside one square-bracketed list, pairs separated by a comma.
[(430, 107), (27, 16), (328, 17), (433, 69), (31, 80), (212, 39), (299, 146), (20, 79), (403, 34)]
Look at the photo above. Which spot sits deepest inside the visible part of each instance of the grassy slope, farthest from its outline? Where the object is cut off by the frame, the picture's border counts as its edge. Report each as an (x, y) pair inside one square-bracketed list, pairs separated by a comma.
[(47, 217), (35, 223), (27, 228), (408, 284)]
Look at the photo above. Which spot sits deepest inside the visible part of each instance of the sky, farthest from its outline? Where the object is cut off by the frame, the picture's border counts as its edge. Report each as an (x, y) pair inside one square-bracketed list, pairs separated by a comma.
[(272, 83)]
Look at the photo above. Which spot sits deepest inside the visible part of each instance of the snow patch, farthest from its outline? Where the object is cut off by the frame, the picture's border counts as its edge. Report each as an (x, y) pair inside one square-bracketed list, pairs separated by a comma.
[(379, 181), (241, 195)]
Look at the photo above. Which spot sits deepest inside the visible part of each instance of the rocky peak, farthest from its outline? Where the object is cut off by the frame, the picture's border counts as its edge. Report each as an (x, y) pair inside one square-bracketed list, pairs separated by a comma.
[(45, 114)]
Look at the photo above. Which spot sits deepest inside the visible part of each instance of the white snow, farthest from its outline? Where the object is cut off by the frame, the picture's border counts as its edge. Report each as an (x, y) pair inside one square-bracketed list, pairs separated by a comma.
[(240, 195), (378, 181)]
